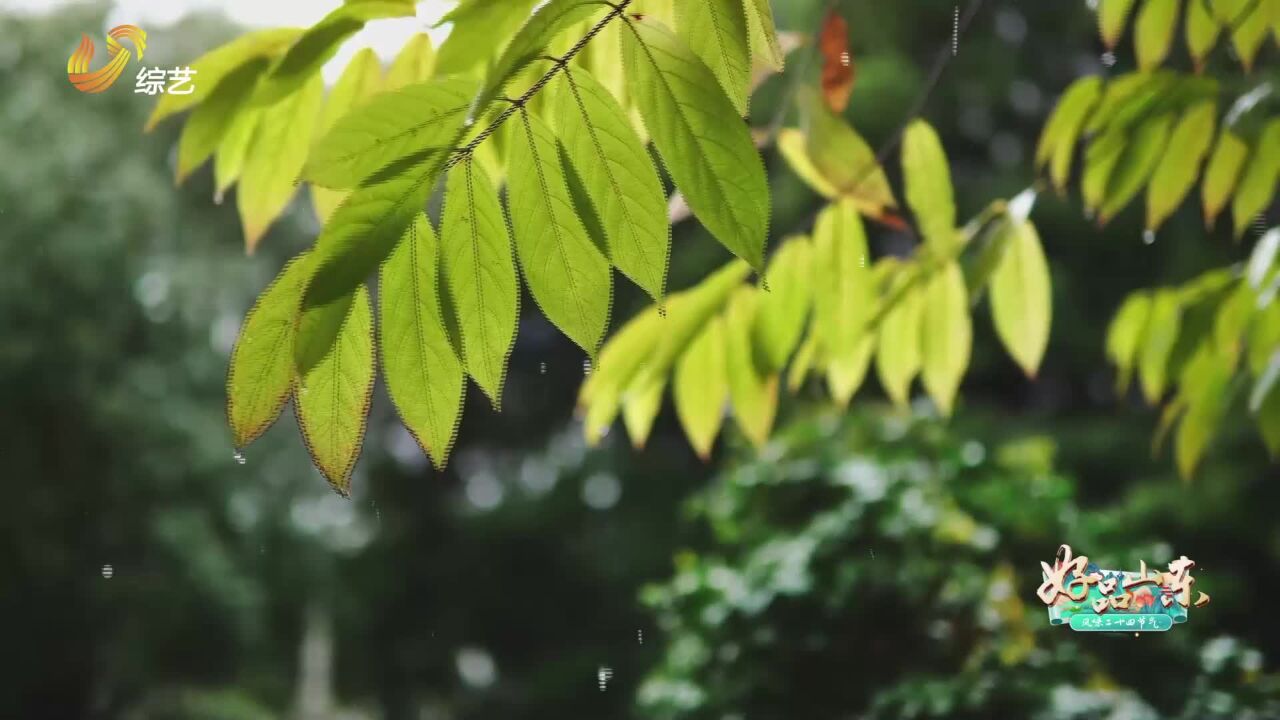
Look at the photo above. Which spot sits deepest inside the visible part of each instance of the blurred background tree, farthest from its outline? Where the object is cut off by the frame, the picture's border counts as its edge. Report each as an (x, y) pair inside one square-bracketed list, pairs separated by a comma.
[(149, 575)]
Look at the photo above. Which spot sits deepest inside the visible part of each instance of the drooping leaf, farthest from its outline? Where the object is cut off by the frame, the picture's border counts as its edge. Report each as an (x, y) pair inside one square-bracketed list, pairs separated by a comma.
[(360, 80), (334, 353), (229, 158), (713, 162), (783, 310), (566, 273), (845, 374), (1205, 384), (802, 363), (1222, 173), (1202, 32), (1136, 163), (211, 119), (946, 335), (1021, 298), (415, 121), (844, 293), (1058, 141), (479, 26), (716, 31), (1112, 16), (1125, 335), (423, 372), (898, 347), (764, 35), (275, 158), (1100, 160), (1163, 325), (701, 388), (845, 160), (480, 273), (1176, 172), (313, 49), (640, 406), (753, 393), (619, 177), (1258, 182), (838, 71), (1153, 32), (928, 179), (1249, 31), (793, 146), (261, 373), (216, 64), (413, 64)]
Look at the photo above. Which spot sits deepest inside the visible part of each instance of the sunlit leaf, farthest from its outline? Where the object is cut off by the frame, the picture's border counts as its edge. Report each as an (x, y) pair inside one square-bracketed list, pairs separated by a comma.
[(423, 373), (1125, 335), (713, 162), (701, 388), (479, 28), (802, 363), (640, 406), (1222, 173), (928, 180), (754, 394), (414, 63), (1258, 181), (1163, 325), (1136, 163), (946, 335), (361, 79), (1021, 298), (1058, 141), (716, 31), (846, 373), (1202, 32), (1153, 33), (228, 160), (1112, 16), (764, 35), (844, 293), (480, 273), (898, 347), (843, 158), (1249, 31), (1176, 172), (619, 177), (793, 146), (334, 353), (210, 121), (783, 311), (275, 158)]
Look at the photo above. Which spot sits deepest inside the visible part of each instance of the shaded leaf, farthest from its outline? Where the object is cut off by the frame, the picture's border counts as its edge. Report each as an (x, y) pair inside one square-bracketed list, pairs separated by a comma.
[(1258, 182), (1057, 143), (716, 31), (479, 28), (783, 310), (1125, 335), (754, 394), (802, 363), (793, 146), (1163, 325), (360, 80), (1176, 172), (946, 335), (713, 162), (1021, 298), (1136, 163), (423, 373), (1205, 383), (210, 121), (845, 160)]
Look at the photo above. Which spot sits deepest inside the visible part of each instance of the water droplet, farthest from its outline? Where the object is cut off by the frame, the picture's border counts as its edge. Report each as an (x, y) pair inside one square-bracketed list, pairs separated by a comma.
[(217, 197), (1108, 58), (586, 367), (542, 368), (602, 677), (1149, 236), (640, 635), (239, 457), (108, 571)]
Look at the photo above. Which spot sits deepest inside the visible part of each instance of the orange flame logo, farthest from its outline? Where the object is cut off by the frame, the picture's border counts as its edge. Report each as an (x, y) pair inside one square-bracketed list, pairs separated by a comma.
[(117, 57)]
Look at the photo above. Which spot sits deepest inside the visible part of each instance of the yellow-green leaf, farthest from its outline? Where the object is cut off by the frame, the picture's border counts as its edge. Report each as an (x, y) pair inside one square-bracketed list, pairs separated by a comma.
[(793, 146), (784, 309), (1249, 32), (1258, 183), (1058, 141), (1153, 32), (1136, 163), (261, 372), (1222, 173), (1163, 325), (764, 35), (846, 373), (717, 32), (713, 162), (1176, 172), (1112, 15), (360, 80), (229, 158), (946, 335), (480, 273), (1205, 382), (423, 373), (802, 363), (566, 273), (928, 179), (335, 365), (640, 406), (1021, 298), (844, 159), (898, 348), (1125, 335), (753, 393), (844, 293), (480, 27), (1202, 32), (701, 388), (275, 158), (413, 64), (211, 119)]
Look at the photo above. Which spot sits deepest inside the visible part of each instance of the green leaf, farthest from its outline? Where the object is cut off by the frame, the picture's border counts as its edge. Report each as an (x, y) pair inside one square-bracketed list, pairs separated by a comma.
[(415, 121), (845, 160), (1153, 32), (802, 363), (844, 293), (1124, 337), (754, 395), (764, 36), (928, 179), (640, 406), (1021, 298), (717, 32), (1249, 32), (216, 64), (261, 372), (211, 119), (423, 373), (1100, 160), (793, 146), (846, 373), (479, 26), (1205, 382), (566, 273), (946, 335), (413, 64), (1058, 141), (480, 273), (619, 177), (228, 160), (1176, 172), (783, 311), (1221, 174), (275, 158), (360, 81), (1136, 163), (1202, 32), (1268, 417), (1112, 15), (1258, 183), (898, 357), (335, 383), (1163, 325), (706, 150), (701, 388), (318, 44), (531, 42)]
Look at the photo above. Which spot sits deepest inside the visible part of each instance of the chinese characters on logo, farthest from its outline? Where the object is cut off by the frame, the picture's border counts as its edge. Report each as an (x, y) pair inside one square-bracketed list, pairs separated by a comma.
[(158, 81)]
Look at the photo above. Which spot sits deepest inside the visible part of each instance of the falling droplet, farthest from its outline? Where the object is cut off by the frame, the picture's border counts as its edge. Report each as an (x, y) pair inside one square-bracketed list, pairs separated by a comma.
[(1108, 59), (108, 571), (640, 635), (542, 368), (602, 677), (239, 457), (1149, 236), (217, 196), (586, 367)]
